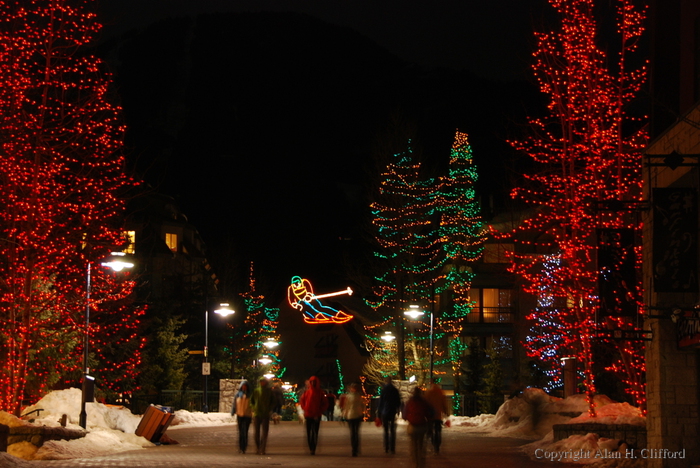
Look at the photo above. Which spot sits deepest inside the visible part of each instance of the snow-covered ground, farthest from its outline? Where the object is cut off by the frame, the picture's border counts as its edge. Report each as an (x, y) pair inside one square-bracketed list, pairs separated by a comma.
[(529, 416)]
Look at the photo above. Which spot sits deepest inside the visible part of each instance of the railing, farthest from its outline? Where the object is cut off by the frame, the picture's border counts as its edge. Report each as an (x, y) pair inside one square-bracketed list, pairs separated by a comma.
[(190, 400), (474, 405), (491, 315)]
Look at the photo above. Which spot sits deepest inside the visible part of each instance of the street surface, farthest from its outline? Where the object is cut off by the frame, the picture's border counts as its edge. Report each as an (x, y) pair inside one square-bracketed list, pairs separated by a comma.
[(217, 446)]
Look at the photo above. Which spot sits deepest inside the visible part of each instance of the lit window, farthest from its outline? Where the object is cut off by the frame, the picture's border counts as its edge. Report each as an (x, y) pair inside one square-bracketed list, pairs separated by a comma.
[(130, 237), (491, 305), (171, 241)]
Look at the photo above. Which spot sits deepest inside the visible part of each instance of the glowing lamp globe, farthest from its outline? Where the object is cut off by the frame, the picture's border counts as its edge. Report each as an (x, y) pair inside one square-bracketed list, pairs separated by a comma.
[(270, 343), (414, 311), (265, 360), (117, 261), (224, 310), (388, 337)]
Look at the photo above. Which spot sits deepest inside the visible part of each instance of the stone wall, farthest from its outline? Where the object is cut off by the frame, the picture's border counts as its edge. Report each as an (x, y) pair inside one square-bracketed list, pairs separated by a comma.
[(673, 376), (227, 389), (672, 396), (35, 435)]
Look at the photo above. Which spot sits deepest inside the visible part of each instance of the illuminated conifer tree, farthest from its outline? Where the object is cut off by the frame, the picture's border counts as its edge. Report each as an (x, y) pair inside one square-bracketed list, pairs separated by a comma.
[(406, 234), (406, 231), (589, 149), (260, 326), (462, 230), (462, 235), (429, 231), (61, 178)]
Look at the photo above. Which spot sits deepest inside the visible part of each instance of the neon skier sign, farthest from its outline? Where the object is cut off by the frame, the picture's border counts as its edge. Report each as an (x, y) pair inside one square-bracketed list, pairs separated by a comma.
[(300, 295)]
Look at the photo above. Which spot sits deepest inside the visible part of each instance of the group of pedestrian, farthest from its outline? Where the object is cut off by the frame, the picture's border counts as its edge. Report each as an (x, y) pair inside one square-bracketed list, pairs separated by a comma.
[(314, 403), (424, 412), (257, 406)]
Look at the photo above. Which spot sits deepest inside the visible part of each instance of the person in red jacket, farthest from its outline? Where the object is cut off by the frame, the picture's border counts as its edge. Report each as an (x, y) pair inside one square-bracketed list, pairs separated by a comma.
[(418, 413), (437, 400), (314, 403)]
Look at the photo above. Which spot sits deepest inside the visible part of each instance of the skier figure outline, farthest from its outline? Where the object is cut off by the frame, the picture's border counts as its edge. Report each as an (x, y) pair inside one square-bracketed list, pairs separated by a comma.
[(300, 295)]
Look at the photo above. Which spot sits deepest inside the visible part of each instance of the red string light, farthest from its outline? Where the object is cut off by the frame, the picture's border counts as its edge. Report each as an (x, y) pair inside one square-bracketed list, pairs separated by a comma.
[(588, 157), (60, 207)]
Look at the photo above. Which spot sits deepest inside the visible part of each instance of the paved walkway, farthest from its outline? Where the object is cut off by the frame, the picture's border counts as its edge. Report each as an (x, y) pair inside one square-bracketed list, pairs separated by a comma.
[(216, 446)]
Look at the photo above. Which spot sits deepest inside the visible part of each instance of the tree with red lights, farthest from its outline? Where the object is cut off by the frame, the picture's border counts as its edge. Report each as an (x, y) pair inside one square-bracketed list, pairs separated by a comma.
[(60, 207), (588, 149)]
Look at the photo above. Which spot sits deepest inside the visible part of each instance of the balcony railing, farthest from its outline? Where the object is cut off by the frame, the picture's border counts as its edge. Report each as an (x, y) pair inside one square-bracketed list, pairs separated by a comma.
[(491, 315)]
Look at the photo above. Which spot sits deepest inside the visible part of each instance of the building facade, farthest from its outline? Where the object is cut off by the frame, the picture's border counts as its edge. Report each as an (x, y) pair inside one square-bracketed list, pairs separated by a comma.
[(671, 254)]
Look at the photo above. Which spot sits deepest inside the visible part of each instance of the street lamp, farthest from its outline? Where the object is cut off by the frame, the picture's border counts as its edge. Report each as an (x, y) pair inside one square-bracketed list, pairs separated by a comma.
[(117, 261), (388, 336), (224, 310), (270, 343), (265, 360), (414, 311)]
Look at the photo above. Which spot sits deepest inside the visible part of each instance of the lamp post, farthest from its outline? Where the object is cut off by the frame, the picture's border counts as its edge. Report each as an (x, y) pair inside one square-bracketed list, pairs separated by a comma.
[(266, 359), (117, 261), (388, 336), (270, 343), (224, 310), (414, 311)]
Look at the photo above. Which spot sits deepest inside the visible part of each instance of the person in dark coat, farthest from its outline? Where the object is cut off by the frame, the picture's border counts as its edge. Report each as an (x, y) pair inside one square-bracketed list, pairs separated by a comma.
[(279, 403), (262, 402), (331, 405), (244, 414), (389, 406), (314, 403)]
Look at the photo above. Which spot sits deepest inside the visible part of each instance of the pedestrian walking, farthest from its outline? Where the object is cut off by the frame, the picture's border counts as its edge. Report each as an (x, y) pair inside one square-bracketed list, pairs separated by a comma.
[(438, 403), (418, 413), (314, 403), (244, 414), (388, 408), (353, 410), (262, 402), (279, 403), (331, 405)]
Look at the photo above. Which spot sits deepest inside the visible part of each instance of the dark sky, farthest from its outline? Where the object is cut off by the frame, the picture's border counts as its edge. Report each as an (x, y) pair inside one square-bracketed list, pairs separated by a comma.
[(489, 37), (230, 191)]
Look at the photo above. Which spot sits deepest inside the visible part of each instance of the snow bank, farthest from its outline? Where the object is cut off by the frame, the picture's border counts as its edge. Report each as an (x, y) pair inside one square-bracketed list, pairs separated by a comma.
[(100, 441), (109, 429), (10, 461), (11, 420), (533, 414), (614, 413), (185, 418), (67, 402), (530, 415)]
